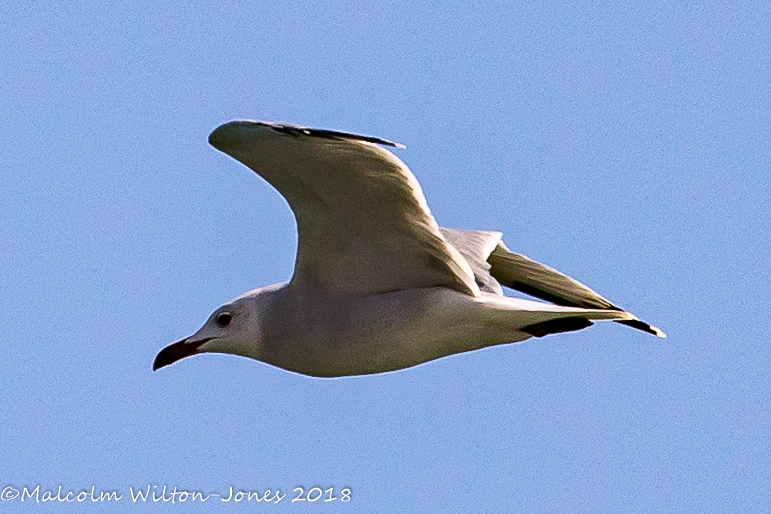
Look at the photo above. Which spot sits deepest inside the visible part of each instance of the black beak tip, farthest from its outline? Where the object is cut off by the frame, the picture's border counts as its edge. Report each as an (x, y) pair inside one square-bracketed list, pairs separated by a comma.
[(160, 362), (175, 352)]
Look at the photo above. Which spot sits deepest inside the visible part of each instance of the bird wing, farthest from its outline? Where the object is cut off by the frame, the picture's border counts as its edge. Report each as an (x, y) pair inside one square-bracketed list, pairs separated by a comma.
[(476, 246), (494, 265), (362, 219), (530, 277)]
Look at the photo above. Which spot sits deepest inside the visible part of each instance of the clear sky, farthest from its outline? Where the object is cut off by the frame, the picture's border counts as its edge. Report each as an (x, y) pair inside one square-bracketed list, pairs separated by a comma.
[(627, 144)]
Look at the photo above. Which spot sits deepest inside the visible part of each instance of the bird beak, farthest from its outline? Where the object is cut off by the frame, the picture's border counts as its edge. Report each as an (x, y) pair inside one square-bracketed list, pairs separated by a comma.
[(177, 351)]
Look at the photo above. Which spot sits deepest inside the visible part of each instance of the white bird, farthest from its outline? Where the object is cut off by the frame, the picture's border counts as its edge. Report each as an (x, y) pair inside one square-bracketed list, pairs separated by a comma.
[(378, 285)]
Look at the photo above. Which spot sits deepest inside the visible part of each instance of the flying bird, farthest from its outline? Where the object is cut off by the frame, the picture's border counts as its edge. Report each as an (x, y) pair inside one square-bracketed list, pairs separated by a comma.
[(378, 286)]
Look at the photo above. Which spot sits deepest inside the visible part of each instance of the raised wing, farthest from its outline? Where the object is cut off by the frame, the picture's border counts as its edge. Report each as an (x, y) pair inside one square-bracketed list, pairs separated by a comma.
[(362, 220), (476, 246)]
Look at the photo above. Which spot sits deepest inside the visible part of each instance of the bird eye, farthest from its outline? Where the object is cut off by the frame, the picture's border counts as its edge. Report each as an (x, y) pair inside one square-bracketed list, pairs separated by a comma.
[(223, 319)]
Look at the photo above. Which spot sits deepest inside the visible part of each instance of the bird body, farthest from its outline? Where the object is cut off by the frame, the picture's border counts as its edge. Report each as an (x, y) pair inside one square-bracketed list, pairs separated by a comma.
[(410, 327), (378, 285)]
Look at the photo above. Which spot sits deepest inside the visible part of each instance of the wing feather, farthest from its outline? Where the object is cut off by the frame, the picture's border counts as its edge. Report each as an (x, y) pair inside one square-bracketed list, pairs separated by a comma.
[(362, 219), (530, 277)]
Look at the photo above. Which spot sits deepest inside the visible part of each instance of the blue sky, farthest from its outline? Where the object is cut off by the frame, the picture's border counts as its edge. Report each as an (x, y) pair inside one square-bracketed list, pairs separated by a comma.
[(626, 144)]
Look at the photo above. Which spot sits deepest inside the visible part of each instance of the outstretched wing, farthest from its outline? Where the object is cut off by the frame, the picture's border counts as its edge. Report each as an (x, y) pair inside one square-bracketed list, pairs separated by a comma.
[(530, 277), (362, 220), (495, 265)]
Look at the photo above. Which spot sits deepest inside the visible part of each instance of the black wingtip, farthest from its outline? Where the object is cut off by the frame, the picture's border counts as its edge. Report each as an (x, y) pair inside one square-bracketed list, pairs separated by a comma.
[(641, 325), (222, 134), (332, 134), (556, 326)]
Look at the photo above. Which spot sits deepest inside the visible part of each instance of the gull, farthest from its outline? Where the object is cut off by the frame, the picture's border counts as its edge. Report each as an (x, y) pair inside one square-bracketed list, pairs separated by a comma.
[(378, 286)]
